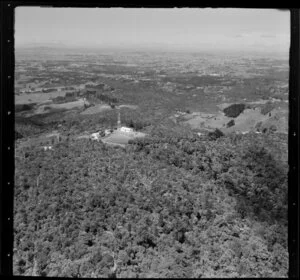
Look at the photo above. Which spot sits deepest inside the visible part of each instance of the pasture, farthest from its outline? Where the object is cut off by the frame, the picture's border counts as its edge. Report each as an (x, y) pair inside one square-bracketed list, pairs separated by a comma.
[(121, 138), (98, 108), (38, 97), (246, 121)]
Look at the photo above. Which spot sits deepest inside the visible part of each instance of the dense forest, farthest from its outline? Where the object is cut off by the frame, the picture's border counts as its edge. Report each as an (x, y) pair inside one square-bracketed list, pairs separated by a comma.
[(172, 204)]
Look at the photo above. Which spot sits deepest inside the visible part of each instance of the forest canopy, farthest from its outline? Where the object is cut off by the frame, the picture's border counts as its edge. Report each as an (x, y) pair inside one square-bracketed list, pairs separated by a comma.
[(170, 205)]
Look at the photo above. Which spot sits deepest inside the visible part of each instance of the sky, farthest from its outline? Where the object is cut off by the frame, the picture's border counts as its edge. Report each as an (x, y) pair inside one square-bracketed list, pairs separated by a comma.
[(266, 30)]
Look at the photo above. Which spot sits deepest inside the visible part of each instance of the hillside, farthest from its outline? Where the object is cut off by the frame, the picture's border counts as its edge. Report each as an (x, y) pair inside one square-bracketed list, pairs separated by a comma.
[(170, 205)]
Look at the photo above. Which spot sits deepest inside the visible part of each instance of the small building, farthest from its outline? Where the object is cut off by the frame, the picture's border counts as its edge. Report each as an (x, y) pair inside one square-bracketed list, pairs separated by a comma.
[(107, 132), (95, 136), (53, 138), (126, 129)]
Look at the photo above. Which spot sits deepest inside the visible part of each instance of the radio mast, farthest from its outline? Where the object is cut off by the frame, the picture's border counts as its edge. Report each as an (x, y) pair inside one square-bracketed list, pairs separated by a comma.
[(119, 119)]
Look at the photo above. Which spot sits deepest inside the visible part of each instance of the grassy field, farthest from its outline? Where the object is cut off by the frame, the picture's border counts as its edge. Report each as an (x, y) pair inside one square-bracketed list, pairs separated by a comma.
[(37, 97), (122, 138), (98, 108), (128, 106), (246, 121), (48, 108)]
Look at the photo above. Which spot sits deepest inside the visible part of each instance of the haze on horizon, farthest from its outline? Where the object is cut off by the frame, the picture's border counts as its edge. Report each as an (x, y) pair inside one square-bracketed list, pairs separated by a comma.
[(228, 29)]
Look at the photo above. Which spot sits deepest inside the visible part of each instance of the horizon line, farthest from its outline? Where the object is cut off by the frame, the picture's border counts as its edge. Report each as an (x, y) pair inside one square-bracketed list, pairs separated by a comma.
[(155, 46)]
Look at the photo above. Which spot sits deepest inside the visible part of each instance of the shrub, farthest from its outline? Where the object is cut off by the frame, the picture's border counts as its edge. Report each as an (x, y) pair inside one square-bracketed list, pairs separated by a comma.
[(230, 123), (23, 107), (215, 134), (267, 108), (234, 110), (18, 135)]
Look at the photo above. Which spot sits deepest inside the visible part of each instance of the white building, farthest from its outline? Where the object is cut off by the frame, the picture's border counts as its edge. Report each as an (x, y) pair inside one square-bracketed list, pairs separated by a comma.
[(107, 132), (95, 136), (126, 129)]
